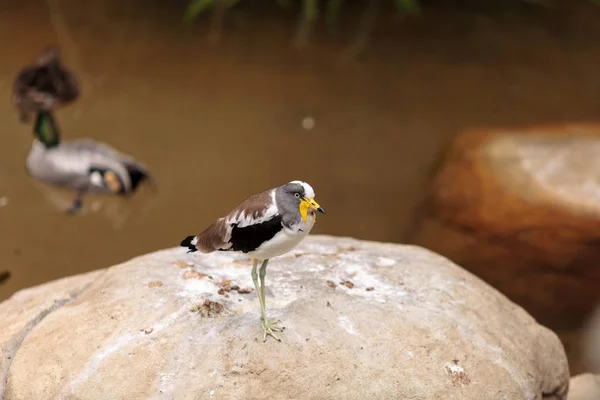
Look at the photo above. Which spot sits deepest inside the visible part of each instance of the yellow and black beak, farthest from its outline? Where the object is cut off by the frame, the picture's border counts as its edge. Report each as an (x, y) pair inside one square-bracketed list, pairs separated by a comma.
[(306, 204)]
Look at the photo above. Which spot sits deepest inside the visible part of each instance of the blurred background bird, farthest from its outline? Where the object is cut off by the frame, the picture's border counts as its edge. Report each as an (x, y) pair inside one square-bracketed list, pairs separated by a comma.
[(82, 165), (44, 86)]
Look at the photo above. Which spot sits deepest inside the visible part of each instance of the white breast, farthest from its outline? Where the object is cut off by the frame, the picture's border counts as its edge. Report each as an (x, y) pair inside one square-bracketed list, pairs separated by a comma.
[(285, 240)]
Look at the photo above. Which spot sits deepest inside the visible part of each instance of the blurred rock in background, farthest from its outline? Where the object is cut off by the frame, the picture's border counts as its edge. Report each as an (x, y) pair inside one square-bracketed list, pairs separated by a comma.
[(520, 208), (584, 387), (591, 343)]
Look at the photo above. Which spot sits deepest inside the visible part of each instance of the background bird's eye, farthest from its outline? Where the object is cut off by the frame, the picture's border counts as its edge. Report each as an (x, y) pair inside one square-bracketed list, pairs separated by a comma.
[(297, 195)]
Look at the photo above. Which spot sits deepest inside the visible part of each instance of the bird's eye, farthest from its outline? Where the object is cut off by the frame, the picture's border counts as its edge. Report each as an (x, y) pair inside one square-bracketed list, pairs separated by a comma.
[(297, 195)]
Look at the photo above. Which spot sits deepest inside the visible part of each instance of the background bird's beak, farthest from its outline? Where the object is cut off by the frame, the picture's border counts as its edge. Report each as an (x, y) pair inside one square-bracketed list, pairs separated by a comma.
[(306, 204)]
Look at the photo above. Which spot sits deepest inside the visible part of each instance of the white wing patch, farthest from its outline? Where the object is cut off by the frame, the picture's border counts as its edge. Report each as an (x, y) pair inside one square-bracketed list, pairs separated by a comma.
[(96, 178), (243, 219)]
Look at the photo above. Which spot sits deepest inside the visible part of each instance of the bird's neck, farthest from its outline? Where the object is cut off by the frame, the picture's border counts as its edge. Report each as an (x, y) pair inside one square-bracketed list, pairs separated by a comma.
[(46, 145), (46, 129)]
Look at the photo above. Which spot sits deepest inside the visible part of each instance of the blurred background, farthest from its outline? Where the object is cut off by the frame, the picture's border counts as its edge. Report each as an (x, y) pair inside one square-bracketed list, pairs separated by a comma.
[(359, 98)]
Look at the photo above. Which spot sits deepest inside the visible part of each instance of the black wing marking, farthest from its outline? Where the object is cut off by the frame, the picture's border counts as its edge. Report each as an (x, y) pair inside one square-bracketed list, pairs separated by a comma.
[(187, 242), (137, 175), (249, 238)]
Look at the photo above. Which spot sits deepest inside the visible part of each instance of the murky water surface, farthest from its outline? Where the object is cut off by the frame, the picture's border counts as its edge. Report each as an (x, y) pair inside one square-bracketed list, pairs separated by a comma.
[(218, 124)]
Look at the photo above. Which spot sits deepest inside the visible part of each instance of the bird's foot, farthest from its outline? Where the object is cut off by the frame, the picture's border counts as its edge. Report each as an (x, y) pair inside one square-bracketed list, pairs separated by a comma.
[(71, 211), (75, 208), (270, 327)]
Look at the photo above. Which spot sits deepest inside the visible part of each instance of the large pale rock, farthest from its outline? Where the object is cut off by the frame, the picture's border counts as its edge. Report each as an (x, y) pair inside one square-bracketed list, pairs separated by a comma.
[(521, 209), (27, 308), (584, 387), (406, 324)]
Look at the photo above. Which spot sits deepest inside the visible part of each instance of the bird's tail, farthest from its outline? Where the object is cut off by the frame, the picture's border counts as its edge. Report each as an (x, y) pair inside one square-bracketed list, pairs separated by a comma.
[(190, 242), (138, 176)]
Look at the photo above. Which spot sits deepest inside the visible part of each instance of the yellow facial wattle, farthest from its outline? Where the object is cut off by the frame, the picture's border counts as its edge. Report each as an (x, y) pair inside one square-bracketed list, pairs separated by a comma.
[(304, 209), (307, 204)]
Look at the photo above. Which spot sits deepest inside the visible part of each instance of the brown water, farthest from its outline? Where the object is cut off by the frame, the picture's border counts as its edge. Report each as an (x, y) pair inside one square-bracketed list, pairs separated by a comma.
[(216, 124)]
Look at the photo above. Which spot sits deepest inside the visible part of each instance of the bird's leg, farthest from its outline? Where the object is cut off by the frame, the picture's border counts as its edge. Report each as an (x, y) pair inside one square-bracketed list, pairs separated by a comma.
[(77, 204), (270, 327), (256, 287), (261, 300)]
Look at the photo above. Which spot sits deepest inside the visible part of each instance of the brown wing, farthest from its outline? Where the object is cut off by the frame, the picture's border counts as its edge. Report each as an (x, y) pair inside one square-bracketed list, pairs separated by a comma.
[(213, 237), (252, 210)]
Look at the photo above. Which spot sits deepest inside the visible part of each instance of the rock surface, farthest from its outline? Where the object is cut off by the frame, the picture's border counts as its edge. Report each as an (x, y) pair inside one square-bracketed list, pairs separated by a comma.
[(584, 387), (521, 209), (363, 320)]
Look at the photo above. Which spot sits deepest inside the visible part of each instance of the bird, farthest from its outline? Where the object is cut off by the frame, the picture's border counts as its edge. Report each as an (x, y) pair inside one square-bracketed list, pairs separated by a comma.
[(4, 275), (81, 165), (44, 85), (265, 225)]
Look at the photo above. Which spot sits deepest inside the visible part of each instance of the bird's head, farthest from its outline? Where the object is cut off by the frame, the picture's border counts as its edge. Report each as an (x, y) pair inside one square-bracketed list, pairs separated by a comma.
[(303, 196)]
